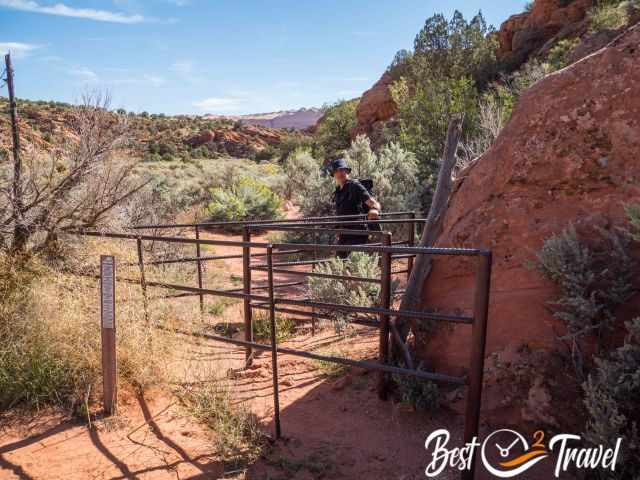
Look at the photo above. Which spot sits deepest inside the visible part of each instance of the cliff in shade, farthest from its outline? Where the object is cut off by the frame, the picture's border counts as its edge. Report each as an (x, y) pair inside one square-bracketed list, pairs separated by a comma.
[(569, 155)]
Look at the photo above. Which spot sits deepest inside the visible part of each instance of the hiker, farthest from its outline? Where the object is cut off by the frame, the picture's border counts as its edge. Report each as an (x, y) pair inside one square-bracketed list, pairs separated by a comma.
[(352, 198)]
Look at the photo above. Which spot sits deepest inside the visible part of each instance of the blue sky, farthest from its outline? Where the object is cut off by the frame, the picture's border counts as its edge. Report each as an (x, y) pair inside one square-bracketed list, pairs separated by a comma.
[(214, 56)]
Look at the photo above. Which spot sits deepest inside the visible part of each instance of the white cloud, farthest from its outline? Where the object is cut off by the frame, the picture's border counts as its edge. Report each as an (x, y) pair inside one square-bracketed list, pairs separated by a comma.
[(186, 70), (63, 10), (154, 80), (17, 49), (220, 104), (85, 74)]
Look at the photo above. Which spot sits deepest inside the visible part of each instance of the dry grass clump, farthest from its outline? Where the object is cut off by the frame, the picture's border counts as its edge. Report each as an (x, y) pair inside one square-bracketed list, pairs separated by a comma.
[(50, 330), (238, 438)]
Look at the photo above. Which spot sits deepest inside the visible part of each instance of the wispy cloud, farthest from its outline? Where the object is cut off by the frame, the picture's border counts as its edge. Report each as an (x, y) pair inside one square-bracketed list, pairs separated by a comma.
[(186, 70), (220, 104), (154, 80), (179, 3), (85, 74), (17, 49), (63, 10)]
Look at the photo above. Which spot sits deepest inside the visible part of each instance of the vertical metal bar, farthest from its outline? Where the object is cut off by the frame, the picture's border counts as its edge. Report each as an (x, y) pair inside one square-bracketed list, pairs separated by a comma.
[(143, 280), (385, 302), (476, 368), (246, 277), (411, 242), (199, 270), (274, 342), (108, 332), (315, 257)]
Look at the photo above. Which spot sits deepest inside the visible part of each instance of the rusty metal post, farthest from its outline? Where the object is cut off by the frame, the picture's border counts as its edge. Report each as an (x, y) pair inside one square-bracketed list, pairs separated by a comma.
[(385, 302), (108, 332), (274, 342), (315, 257), (476, 368), (199, 269), (411, 242), (246, 277), (143, 280)]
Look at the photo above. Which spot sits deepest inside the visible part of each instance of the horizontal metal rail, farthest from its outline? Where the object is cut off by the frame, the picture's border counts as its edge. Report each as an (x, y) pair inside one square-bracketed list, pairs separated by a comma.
[(257, 222), (268, 226), (296, 228), (382, 249), (368, 365), (305, 313), (264, 287), (350, 278), (295, 246), (376, 310), (159, 238)]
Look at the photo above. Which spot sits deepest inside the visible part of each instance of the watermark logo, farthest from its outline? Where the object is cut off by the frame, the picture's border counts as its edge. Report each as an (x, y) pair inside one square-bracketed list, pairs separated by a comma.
[(506, 453)]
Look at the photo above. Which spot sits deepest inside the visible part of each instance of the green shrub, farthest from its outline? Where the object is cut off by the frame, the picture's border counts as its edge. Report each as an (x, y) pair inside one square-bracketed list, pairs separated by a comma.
[(333, 131), (246, 199), (558, 57), (420, 393), (261, 326), (609, 15), (611, 399), (347, 292), (593, 282)]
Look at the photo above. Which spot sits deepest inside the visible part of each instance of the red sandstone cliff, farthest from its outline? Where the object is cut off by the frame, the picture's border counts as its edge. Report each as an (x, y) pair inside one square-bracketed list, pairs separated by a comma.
[(376, 107), (548, 21), (569, 155)]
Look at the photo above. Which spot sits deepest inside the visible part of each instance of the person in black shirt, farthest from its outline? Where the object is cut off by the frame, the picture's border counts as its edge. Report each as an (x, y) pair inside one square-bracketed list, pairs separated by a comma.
[(351, 198)]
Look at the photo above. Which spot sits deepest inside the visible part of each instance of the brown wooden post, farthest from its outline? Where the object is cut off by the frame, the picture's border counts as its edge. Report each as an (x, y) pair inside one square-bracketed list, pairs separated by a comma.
[(20, 231), (246, 277), (274, 342), (143, 280), (476, 367), (108, 332), (199, 270), (385, 302)]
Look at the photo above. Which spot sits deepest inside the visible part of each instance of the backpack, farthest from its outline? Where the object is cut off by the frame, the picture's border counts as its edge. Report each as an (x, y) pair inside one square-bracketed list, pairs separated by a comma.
[(368, 184)]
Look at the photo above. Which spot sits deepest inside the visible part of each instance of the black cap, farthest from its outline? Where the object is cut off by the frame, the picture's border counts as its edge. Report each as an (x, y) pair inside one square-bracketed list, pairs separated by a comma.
[(340, 163)]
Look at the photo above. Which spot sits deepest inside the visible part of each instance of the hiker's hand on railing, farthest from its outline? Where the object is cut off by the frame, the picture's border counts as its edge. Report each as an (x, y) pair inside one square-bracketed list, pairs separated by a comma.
[(373, 214)]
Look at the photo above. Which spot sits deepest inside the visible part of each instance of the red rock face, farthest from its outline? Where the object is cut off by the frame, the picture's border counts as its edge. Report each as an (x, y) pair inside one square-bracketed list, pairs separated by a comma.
[(238, 142), (569, 155), (376, 106), (522, 34)]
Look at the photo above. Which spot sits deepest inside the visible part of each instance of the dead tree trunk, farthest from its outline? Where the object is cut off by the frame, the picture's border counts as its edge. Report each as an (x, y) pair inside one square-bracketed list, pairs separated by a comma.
[(20, 231), (412, 299)]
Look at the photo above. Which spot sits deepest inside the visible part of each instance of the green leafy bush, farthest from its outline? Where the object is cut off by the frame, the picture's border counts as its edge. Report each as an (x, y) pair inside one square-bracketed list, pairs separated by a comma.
[(420, 393), (347, 292), (558, 57), (593, 281), (333, 131), (611, 399), (261, 327), (610, 14), (246, 199)]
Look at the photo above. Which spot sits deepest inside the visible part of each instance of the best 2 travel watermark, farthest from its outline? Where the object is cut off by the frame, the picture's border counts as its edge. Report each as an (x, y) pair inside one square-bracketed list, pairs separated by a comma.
[(506, 453)]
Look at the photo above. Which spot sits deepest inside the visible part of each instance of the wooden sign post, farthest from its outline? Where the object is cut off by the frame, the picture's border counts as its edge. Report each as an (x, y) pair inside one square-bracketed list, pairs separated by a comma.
[(108, 324)]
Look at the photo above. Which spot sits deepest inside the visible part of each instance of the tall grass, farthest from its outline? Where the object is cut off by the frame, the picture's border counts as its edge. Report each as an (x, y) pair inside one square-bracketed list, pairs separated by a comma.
[(50, 333)]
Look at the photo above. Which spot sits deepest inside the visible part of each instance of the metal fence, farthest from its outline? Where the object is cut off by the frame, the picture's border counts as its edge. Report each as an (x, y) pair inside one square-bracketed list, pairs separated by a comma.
[(389, 252)]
